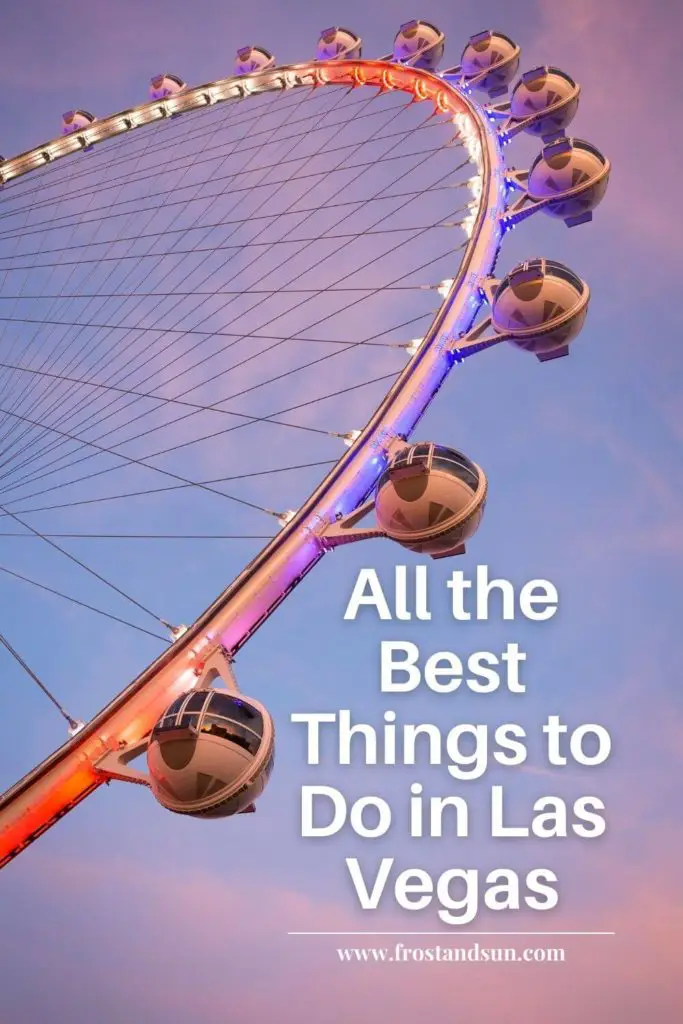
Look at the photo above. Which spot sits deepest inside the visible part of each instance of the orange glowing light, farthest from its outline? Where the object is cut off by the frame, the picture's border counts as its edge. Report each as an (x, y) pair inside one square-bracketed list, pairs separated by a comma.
[(420, 90)]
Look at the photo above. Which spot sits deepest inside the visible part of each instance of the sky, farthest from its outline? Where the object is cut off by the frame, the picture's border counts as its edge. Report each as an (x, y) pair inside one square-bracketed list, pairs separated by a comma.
[(131, 912)]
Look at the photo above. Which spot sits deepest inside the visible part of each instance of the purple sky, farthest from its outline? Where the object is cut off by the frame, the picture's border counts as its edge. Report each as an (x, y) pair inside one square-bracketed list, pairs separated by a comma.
[(126, 912)]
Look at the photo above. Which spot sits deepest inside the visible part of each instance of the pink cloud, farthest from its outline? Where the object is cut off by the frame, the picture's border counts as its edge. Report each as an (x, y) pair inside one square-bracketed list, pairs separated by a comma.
[(232, 932), (619, 55), (650, 524)]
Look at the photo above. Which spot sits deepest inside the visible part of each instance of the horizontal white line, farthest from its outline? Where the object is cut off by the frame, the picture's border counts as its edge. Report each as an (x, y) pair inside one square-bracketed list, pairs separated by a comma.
[(451, 934)]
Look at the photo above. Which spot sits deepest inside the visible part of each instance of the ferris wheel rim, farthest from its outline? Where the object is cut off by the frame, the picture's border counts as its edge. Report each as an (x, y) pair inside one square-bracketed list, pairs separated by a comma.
[(484, 243), (311, 73)]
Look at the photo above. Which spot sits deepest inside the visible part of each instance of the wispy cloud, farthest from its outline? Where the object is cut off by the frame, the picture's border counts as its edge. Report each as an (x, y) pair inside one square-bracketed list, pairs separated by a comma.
[(618, 55)]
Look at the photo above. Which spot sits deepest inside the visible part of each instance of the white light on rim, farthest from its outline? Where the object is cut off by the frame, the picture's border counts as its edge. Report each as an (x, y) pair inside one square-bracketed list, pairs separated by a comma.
[(468, 133), (475, 186)]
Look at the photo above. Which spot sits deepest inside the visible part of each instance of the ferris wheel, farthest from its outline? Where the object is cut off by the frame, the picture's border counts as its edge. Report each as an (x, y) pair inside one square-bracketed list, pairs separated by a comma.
[(314, 239)]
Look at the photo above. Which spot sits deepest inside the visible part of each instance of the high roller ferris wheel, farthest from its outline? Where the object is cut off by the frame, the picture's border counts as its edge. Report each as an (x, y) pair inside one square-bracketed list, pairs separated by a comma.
[(109, 234)]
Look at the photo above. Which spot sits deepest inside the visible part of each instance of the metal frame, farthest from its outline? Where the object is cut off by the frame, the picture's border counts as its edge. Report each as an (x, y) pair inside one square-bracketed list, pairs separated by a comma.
[(66, 777)]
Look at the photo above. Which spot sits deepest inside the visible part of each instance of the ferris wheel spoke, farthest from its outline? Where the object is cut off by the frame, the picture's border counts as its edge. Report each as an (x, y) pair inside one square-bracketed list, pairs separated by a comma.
[(261, 326), (77, 561), (230, 209), (252, 419), (171, 487), (218, 248), (74, 724), (124, 149), (81, 604), (342, 346), (406, 324), (384, 189), (130, 460), (51, 362), (56, 203), (314, 292), (211, 152), (228, 178), (188, 415), (229, 334), (109, 210), (50, 357), (142, 536)]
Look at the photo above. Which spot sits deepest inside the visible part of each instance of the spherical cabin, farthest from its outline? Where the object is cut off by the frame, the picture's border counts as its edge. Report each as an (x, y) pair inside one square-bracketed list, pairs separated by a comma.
[(338, 44), (252, 59), (573, 174), (430, 499), (76, 121), (163, 86), (211, 754), (489, 62), (419, 44), (540, 307), (547, 95)]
